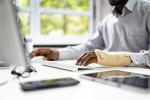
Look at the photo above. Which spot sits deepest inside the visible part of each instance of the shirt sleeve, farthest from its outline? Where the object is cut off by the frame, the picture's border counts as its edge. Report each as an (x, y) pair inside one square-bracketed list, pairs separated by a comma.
[(142, 58), (73, 52)]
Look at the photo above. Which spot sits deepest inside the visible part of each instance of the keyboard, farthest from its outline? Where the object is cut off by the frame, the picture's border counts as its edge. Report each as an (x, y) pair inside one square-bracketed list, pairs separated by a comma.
[(68, 65)]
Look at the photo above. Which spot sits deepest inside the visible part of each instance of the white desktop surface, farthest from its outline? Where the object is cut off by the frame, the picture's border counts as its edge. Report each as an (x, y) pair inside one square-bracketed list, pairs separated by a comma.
[(86, 90)]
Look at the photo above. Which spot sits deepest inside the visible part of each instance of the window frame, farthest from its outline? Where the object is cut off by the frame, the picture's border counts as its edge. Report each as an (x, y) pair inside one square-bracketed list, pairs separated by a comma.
[(35, 11)]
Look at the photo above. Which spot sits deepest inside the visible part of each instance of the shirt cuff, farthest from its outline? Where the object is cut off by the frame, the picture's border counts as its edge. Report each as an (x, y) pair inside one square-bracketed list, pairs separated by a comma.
[(137, 59), (62, 54)]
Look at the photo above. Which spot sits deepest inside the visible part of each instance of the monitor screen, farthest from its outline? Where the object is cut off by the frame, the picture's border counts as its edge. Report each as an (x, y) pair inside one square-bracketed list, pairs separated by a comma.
[(12, 50)]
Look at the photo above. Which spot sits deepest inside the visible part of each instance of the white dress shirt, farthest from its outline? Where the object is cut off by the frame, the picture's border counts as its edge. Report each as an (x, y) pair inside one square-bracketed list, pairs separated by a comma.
[(127, 32)]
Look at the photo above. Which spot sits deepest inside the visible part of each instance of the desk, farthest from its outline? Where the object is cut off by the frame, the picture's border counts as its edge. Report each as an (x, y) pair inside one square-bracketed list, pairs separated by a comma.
[(86, 90)]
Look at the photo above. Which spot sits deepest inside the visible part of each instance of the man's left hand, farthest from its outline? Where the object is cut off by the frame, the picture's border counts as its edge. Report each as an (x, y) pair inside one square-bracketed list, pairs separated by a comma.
[(87, 58)]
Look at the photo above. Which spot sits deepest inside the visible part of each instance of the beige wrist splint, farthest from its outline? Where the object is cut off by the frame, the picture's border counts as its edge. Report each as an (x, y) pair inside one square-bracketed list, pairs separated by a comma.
[(113, 58)]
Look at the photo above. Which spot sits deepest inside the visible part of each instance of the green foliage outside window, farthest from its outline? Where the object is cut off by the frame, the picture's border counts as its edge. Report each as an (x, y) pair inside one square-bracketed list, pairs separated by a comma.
[(23, 3), (64, 24), (24, 17), (81, 5), (57, 23)]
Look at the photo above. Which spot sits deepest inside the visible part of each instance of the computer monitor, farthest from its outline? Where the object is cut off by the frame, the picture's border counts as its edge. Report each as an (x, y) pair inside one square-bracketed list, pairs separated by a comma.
[(12, 50)]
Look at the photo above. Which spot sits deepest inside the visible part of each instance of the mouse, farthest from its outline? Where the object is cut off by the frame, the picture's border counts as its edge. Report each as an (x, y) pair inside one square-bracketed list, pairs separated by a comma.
[(37, 59)]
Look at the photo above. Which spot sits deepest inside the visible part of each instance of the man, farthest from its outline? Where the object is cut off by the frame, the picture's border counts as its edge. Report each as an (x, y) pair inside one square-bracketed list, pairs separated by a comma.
[(122, 39)]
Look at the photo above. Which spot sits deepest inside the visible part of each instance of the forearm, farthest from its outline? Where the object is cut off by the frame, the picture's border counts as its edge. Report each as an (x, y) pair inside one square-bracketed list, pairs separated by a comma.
[(72, 52), (113, 58), (123, 58)]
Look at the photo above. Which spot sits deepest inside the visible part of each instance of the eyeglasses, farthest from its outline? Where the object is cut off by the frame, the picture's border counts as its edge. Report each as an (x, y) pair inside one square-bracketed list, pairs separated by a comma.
[(22, 71)]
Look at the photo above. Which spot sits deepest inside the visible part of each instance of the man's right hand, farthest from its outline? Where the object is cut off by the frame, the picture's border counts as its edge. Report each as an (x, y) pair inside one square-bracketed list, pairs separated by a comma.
[(48, 54)]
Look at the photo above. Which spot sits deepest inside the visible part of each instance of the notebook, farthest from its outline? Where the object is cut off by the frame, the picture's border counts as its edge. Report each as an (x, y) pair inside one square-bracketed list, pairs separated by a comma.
[(68, 65)]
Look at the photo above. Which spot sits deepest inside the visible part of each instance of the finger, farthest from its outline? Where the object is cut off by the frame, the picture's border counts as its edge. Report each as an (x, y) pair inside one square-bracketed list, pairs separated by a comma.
[(42, 52), (79, 59), (86, 58), (87, 61), (37, 52), (90, 61), (48, 57), (33, 54)]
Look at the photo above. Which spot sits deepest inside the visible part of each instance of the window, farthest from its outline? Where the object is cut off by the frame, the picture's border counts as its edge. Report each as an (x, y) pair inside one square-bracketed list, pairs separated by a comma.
[(56, 21)]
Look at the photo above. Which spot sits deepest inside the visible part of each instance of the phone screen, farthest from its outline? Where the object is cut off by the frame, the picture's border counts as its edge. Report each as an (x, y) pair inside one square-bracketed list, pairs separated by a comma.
[(120, 77)]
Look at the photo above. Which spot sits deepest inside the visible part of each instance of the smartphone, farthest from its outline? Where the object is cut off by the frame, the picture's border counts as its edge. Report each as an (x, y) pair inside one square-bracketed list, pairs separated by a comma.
[(49, 83)]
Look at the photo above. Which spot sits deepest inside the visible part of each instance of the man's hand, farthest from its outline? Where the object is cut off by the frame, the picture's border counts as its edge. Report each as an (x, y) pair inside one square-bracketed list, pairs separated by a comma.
[(87, 58), (48, 54), (104, 58)]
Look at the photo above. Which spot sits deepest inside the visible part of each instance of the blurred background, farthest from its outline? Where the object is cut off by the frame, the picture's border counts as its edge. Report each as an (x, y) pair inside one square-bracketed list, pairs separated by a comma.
[(60, 22)]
